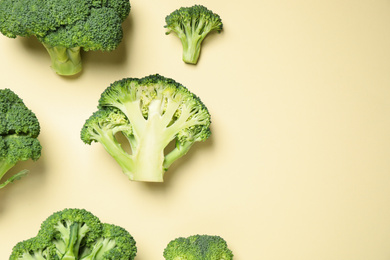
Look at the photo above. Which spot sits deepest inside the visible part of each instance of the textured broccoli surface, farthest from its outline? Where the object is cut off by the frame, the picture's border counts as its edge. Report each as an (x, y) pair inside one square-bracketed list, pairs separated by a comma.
[(198, 247), (66, 27), (76, 234), (150, 112), (192, 25), (19, 129)]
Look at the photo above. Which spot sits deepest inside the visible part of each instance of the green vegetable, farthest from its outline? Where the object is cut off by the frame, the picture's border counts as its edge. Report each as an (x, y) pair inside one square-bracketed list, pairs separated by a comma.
[(19, 129), (198, 247), (150, 112), (192, 25), (76, 234), (64, 27)]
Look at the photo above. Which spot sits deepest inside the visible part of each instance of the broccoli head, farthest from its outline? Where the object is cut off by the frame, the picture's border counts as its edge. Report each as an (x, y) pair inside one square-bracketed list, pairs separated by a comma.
[(19, 129), (150, 112), (198, 247), (76, 234), (192, 25), (66, 27)]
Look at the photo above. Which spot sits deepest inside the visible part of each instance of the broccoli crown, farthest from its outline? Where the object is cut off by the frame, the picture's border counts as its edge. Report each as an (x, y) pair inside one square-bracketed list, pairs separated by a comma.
[(14, 148), (15, 117), (19, 129), (150, 112), (194, 17), (76, 234), (93, 24), (198, 247), (192, 25)]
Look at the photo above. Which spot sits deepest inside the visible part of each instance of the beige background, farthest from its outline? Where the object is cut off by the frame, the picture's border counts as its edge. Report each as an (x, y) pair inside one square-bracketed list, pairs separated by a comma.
[(298, 165)]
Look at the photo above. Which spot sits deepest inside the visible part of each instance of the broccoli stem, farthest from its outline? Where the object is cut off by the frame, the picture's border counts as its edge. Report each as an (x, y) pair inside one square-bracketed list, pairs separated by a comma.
[(4, 168), (191, 49), (179, 151), (113, 147), (72, 245), (92, 255), (152, 138), (65, 61), (146, 164), (149, 158), (102, 245)]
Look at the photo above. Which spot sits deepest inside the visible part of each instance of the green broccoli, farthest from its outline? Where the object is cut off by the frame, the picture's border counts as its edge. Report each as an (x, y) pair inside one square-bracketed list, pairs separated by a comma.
[(192, 25), (198, 247), (64, 27), (76, 234), (19, 129), (150, 112)]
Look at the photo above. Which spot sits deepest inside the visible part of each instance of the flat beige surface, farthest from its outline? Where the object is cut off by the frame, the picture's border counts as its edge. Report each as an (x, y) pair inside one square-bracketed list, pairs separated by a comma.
[(298, 165)]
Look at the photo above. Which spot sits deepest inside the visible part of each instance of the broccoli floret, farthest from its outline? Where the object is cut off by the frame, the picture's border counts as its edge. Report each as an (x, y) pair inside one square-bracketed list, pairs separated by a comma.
[(19, 129), (150, 112), (76, 234), (198, 247), (192, 25), (66, 27)]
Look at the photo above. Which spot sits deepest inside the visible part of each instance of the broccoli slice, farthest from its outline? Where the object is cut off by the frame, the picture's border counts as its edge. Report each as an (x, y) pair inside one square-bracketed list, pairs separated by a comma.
[(150, 112), (66, 27), (192, 25), (19, 129), (198, 247), (76, 234)]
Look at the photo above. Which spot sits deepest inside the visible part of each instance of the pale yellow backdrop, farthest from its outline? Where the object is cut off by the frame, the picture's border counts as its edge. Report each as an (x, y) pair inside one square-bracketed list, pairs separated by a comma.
[(298, 165)]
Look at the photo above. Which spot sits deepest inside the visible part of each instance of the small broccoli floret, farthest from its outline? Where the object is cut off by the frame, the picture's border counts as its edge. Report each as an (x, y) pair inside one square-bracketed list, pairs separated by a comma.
[(192, 25), (76, 234), (150, 112), (198, 247), (66, 27), (19, 129), (115, 243), (34, 248)]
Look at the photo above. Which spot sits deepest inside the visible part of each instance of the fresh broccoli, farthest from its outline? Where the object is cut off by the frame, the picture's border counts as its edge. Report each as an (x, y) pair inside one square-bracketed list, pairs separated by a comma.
[(19, 129), (192, 25), (198, 247), (64, 27), (76, 234), (150, 112)]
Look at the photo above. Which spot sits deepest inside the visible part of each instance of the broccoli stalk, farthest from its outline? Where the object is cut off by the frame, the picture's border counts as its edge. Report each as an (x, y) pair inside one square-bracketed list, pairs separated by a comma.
[(192, 25), (19, 129), (66, 27), (101, 245), (4, 168), (72, 233), (65, 61), (151, 113), (150, 137), (76, 234)]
